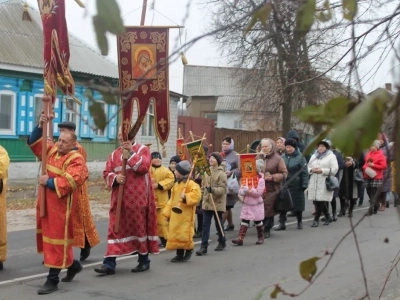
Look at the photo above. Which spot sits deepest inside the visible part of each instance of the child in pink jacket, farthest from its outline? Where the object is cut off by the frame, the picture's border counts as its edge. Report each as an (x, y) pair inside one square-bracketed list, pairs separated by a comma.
[(253, 208)]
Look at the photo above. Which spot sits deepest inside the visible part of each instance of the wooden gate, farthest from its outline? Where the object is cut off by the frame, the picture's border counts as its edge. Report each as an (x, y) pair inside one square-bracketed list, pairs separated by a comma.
[(241, 138)]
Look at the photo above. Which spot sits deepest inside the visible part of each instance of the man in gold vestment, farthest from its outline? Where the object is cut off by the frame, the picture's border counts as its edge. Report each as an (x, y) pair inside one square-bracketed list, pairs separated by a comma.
[(85, 233), (4, 163), (66, 172)]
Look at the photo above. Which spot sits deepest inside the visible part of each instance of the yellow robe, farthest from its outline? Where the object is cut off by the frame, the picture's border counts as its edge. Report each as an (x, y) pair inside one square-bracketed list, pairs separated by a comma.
[(4, 163), (181, 226), (164, 177)]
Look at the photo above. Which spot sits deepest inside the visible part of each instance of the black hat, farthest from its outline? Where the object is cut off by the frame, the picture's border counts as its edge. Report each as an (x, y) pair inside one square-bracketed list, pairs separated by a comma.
[(291, 142), (326, 143), (156, 155), (68, 125), (217, 156), (183, 167), (175, 158)]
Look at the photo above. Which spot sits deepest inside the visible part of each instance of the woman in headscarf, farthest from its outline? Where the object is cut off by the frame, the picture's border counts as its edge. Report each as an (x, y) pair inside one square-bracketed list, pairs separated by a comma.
[(274, 171), (232, 168), (387, 173), (323, 163), (280, 145)]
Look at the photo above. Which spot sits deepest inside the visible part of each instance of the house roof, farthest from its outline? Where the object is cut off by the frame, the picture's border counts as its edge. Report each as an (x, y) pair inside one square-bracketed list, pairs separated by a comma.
[(22, 44), (210, 81), (238, 103)]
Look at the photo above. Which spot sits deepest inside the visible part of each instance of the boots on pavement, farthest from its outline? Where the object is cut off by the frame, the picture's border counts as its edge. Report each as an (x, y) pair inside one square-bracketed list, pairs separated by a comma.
[(242, 233), (282, 220), (299, 216), (260, 234)]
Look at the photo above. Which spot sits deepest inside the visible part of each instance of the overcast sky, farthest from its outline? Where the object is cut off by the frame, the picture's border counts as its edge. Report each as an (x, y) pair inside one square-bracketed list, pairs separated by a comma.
[(172, 12)]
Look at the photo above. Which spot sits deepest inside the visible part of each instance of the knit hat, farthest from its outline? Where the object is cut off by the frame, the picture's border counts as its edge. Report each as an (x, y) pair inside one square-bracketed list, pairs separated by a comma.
[(259, 164), (217, 156), (326, 143), (175, 158), (155, 155), (291, 142), (377, 144), (183, 167)]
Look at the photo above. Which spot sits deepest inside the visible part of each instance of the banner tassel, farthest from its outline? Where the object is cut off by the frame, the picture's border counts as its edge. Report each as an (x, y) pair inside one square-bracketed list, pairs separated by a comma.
[(184, 59), (25, 15), (79, 2), (164, 151)]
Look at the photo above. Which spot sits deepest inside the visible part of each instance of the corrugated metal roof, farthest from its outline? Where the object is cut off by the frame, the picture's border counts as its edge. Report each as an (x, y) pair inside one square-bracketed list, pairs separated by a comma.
[(211, 81), (239, 103), (22, 44)]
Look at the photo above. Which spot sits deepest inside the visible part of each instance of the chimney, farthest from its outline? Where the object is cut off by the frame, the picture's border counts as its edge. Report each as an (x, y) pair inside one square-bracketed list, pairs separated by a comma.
[(388, 87)]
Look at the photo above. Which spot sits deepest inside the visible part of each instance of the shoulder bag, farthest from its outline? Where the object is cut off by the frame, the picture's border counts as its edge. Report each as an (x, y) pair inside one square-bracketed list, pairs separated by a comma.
[(331, 182), (284, 201)]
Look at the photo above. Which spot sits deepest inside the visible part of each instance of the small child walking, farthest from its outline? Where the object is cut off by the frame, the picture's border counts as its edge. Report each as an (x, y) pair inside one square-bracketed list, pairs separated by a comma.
[(253, 208), (181, 226)]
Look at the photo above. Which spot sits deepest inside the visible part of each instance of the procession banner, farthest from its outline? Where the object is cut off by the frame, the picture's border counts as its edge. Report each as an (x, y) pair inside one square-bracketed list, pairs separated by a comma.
[(143, 67), (56, 49), (249, 170), (196, 149), (180, 148)]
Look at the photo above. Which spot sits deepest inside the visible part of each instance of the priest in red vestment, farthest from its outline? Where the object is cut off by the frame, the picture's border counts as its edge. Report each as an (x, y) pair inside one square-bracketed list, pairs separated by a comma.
[(66, 172), (138, 222)]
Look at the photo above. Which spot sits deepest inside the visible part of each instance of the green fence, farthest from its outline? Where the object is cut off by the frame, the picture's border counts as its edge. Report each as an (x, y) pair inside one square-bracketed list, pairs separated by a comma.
[(19, 151)]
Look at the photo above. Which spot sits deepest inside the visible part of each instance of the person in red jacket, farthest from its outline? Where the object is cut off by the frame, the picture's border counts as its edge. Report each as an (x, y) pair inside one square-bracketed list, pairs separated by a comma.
[(374, 166)]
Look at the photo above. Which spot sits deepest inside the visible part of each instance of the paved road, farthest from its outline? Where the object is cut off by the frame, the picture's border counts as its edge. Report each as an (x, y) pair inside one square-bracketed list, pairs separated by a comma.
[(237, 273)]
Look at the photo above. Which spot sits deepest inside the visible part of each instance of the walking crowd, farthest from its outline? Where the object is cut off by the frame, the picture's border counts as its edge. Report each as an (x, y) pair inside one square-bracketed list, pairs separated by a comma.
[(161, 206)]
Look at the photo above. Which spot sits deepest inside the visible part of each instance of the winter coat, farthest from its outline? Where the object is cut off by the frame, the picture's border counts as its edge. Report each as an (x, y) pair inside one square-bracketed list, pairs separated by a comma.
[(181, 226), (387, 173), (317, 190), (275, 166), (165, 179), (232, 164), (294, 162), (339, 174), (348, 187), (253, 203), (218, 182), (379, 161)]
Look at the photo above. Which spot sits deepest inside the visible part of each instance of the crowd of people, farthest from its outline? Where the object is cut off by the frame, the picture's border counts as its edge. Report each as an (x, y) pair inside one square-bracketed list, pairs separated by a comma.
[(153, 206)]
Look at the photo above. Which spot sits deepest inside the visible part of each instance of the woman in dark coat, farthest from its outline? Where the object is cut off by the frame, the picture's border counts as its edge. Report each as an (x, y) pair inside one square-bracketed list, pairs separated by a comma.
[(274, 172), (348, 191), (295, 162)]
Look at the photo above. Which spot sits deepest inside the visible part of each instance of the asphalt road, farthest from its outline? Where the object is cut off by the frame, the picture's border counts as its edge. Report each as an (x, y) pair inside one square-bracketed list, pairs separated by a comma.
[(236, 273)]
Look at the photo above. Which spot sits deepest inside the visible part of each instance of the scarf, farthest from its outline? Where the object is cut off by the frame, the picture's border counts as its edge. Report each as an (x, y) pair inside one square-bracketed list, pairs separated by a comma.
[(323, 154), (184, 178), (272, 150)]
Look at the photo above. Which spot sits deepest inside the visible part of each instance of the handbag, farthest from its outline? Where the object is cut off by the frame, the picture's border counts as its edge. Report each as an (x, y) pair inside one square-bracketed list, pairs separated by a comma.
[(232, 185), (284, 200), (331, 182), (357, 175), (370, 172)]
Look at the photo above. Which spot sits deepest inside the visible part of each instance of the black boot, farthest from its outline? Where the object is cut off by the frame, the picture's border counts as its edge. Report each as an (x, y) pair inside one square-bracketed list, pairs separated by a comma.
[(327, 219), (1, 265), (198, 234), (188, 255), (220, 246), (299, 220), (202, 251), (48, 288), (315, 223), (179, 256), (72, 271), (267, 232), (282, 220), (163, 242), (104, 270)]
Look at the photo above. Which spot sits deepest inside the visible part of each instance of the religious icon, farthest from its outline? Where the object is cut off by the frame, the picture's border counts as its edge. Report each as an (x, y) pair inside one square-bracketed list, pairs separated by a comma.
[(249, 167), (46, 6), (144, 60)]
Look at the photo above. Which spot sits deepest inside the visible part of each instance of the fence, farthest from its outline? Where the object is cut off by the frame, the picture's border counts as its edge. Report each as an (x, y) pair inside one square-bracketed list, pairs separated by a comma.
[(241, 138)]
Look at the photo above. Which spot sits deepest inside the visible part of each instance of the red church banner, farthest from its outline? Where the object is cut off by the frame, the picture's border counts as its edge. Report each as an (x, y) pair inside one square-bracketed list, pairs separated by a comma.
[(143, 65), (56, 48), (249, 170)]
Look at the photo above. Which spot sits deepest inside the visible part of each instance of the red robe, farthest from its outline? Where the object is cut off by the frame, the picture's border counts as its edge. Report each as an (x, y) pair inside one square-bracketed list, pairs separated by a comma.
[(54, 232), (138, 223)]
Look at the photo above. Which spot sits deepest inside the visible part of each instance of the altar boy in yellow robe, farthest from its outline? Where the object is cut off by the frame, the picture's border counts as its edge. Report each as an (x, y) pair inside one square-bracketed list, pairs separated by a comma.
[(181, 226), (162, 180), (4, 163)]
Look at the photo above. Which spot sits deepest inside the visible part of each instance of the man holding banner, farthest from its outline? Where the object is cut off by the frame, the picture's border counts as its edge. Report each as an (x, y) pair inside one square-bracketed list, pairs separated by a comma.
[(138, 219)]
